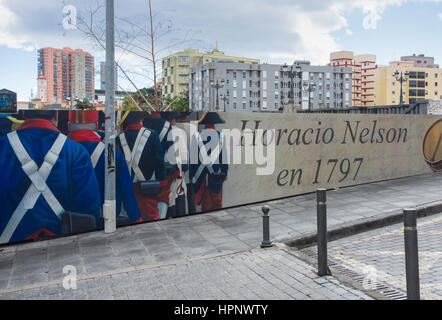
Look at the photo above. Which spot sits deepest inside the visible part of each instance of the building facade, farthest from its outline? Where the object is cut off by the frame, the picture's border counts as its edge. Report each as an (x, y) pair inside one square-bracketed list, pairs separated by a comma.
[(176, 67), (364, 69), (421, 61), (423, 83), (268, 87), (68, 73), (8, 101), (100, 97)]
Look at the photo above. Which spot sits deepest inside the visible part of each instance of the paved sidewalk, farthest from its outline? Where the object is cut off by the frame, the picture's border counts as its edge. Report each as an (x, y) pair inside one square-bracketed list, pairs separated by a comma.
[(270, 274), (381, 252), (204, 235)]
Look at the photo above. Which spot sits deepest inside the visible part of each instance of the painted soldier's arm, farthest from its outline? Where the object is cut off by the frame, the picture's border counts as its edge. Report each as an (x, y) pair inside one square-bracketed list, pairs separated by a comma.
[(160, 174), (85, 188), (125, 189)]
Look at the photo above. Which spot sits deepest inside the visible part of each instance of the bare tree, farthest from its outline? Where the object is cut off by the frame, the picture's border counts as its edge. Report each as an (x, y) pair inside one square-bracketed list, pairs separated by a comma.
[(146, 39)]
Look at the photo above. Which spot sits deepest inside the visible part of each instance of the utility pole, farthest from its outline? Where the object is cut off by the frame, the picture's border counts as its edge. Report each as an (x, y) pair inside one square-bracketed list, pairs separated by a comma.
[(109, 208)]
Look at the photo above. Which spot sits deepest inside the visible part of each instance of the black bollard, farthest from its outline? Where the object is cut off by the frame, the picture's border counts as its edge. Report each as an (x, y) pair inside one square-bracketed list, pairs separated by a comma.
[(411, 254), (322, 232), (266, 243)]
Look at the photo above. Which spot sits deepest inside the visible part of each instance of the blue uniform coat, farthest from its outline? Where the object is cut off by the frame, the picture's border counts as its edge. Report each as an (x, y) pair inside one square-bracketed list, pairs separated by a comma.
[(124, 188), (72, 180)]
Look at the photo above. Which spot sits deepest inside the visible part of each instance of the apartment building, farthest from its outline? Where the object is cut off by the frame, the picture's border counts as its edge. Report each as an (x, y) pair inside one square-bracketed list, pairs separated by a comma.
[(244, 87), (421, 61), (423, 83), (175, 68), (364, 70), (66, 73)]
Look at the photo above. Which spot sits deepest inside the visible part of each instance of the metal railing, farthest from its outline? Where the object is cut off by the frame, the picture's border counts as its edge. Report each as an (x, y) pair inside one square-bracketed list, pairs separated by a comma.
[(420, 107)]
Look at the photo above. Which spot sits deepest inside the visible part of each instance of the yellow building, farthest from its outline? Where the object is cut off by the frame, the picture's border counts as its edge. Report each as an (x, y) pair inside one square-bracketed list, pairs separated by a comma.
[(423, 83), (364, 69), (176, 68)]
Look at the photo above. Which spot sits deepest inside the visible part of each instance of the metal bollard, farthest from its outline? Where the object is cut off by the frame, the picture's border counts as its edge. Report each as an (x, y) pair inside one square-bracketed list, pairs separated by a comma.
[(322, 232), (266, 243), (411, 254)]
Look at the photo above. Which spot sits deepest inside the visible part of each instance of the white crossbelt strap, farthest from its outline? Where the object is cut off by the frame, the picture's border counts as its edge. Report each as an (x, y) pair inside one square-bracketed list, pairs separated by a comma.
[(204, 155), (95, 156), (38, 185), (163, 132), (126, 151), (133, 157), (139, 148)]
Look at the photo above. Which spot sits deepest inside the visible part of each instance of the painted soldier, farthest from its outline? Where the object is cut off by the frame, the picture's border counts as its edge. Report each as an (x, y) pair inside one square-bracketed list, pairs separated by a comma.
[(145, 158), (178, 189), (208, 177), (183, 123), (83, 125), (44, 175), (155, 122)]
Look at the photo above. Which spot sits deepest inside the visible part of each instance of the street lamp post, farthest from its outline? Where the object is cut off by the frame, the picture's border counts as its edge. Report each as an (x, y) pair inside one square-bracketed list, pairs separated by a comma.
[(401, 77), (217, 86), (109, 207), (224, 98), (310, 87)]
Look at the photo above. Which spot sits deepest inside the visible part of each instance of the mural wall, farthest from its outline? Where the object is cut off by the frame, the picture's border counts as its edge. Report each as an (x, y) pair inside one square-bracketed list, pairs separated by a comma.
[(174, 164)]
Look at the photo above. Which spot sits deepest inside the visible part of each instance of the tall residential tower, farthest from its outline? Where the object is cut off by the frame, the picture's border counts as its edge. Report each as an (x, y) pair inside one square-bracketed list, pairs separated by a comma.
[(66, 73), (364, 69)]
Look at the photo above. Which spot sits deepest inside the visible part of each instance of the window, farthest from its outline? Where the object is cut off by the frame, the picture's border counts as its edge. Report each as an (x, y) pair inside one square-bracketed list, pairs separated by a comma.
[(264, 85), (276, 95), (276, 85), (264, 94), (235, 84), (183, 59), (244, 74), (276, 74), (244, 105), (264, 104), (234, 94), (421, 93), (234, 75), (327, 76), (264, 74), (234, 104), (244, 94), (244, 84)]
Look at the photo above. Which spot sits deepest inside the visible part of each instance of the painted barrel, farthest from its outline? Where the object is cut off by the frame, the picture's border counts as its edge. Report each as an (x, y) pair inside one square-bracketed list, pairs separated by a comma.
[(433, 146)]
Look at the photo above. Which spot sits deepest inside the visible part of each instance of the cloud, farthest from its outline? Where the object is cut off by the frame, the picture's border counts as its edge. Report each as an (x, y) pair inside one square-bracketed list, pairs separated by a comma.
[(440, 16), (277, 31)]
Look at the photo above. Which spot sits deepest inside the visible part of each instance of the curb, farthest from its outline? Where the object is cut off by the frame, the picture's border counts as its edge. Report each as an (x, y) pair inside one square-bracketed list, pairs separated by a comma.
[(366, 224)]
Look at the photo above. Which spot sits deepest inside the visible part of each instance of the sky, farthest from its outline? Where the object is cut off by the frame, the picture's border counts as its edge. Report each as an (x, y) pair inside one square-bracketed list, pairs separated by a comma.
[(276, 31)]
